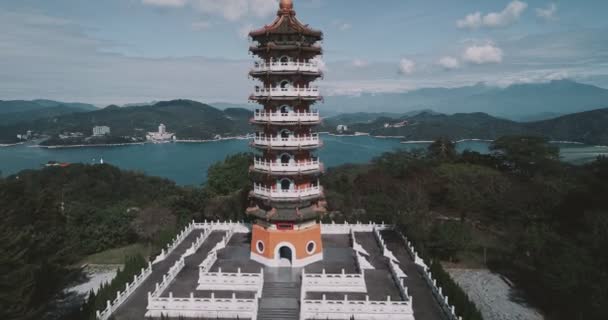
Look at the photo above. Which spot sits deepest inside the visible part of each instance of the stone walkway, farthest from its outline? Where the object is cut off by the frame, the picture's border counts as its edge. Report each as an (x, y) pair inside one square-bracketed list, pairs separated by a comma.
[(135, 307), (187, 280), (425, 306)]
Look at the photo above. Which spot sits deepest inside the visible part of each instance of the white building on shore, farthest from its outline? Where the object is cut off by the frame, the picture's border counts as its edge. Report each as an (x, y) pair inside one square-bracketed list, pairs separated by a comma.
[(101, 130), (161, 136)]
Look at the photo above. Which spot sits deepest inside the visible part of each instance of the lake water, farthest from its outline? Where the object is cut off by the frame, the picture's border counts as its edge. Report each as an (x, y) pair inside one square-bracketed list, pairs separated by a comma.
[(187, 163)]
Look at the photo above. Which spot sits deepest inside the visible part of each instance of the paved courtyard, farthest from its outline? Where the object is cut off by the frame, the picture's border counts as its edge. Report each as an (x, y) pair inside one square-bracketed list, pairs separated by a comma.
[(281, 291)]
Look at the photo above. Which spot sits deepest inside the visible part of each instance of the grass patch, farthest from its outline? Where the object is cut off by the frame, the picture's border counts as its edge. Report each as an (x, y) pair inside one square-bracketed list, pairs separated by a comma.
[(119, 255)]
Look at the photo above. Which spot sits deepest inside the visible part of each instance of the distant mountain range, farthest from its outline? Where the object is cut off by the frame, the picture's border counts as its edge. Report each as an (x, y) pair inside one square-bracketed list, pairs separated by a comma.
[(589, 127), (15, 111), (523, 102), (560, 110)]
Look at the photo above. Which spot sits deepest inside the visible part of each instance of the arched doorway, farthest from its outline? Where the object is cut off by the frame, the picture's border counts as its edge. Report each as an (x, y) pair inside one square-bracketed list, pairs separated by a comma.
[(284, 84), (284, 59), (286, 109), (286, 184), (285, 256), (285, 133), (285, 158)]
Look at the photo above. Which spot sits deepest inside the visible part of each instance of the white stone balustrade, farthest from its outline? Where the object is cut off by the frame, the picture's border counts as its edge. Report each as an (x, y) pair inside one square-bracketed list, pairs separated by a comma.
[(333, 282), (176, 242), (237, 227), (122, 296), (169, 277), (287, 92), (346, 228), (226, 281), (448, 310), (278, 194), (345, 309), (206, 265), (307, 141), (290, 167), (301, 117), (356, 246), (288, 66), (197, 243), (385, 251), (209, 308)]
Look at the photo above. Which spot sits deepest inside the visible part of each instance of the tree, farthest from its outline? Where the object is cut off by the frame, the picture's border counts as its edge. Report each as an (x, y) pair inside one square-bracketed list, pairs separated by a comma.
[(525, 155), (442, 149)]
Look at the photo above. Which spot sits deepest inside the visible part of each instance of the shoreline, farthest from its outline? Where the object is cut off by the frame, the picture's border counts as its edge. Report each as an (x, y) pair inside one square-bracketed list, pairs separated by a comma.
[(11, 144), (136, 143), (106, 145), (247, 137)]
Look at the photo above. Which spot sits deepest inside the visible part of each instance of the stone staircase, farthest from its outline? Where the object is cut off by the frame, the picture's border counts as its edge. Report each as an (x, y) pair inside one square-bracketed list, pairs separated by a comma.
[(280, 301)]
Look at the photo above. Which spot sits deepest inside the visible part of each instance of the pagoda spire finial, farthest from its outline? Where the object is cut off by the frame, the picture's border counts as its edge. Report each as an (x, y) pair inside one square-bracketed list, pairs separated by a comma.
[(285, 6)]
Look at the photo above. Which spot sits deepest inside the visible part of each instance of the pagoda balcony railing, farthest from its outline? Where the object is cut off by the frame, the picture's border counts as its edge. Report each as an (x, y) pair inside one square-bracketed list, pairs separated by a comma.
[(262, 116), (290, 167), (312, 140), (289, 66), (304, 92), (280, 194)]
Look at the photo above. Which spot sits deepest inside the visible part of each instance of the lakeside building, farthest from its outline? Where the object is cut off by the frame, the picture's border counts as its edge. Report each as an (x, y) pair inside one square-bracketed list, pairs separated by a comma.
[(342, 128), (161, 135), (101, 131), (285, 265)]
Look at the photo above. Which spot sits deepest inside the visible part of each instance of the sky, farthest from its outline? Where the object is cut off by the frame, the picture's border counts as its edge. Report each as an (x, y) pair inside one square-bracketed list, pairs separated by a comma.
[(133, 51)]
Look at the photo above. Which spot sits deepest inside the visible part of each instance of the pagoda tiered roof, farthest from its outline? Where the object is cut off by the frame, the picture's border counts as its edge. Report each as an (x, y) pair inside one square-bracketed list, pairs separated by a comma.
[(286, 23)]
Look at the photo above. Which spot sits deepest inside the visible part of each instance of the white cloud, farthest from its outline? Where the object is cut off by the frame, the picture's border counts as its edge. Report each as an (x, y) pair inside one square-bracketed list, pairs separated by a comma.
[(345, 26), (244, 30), (320, 63), (548, 13), (165, 3), (449, 63), (201, 25), (360, 63), (406, 66), (232, 10), (506, 17), (471, 21), (482, 54)]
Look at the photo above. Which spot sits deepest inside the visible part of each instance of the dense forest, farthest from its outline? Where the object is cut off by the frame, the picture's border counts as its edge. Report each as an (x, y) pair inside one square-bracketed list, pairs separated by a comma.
[(519, 211)]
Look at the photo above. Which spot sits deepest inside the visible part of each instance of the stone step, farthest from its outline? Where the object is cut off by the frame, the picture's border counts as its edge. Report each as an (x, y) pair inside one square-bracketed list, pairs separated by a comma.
[(278, 308), (281, 290), (278, 314)]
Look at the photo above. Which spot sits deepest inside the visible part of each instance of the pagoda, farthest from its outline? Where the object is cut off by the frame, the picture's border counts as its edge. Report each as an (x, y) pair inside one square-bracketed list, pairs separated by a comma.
[(287, 199)]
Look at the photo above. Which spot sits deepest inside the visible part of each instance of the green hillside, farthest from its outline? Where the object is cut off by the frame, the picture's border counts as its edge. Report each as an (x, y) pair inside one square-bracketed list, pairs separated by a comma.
[(187, 119)]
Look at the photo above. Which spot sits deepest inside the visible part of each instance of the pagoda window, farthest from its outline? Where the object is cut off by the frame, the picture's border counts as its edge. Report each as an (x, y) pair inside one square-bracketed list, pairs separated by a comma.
[(286, 109), (285, 133), (286, 184), (284, 84), (286, 158), (284, 59)]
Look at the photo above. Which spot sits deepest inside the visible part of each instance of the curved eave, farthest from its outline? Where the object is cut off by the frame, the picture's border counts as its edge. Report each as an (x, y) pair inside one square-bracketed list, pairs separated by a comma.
[(286, 200), (288, 173), (284, 98), (262, 49), (294, 26), (268, 216), (285, 123), (266, 147), (285, 73)]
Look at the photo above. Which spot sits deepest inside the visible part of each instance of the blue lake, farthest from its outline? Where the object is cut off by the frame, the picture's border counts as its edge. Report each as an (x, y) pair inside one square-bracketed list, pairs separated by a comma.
[(187, 163)]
